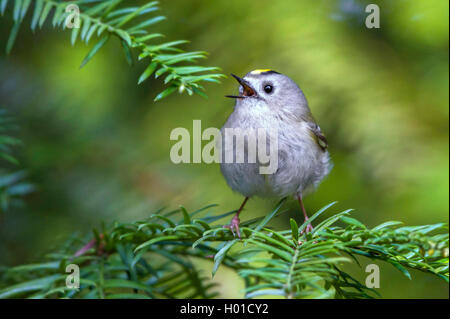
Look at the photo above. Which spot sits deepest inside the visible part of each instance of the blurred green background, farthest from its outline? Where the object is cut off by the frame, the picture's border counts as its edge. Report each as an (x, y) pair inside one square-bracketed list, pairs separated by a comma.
[(97, 148)]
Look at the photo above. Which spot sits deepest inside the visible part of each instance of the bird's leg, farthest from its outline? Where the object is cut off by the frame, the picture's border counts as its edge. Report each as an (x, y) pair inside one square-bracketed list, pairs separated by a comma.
[(91, 244), (309, 227), (234, 224)]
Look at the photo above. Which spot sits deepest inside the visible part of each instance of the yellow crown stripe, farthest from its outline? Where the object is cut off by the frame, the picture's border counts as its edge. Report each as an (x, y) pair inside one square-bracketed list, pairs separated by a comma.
[(259, 71)]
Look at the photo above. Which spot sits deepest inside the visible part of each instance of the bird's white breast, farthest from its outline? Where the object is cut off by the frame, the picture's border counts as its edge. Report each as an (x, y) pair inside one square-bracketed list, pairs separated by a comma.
[(301, 163)]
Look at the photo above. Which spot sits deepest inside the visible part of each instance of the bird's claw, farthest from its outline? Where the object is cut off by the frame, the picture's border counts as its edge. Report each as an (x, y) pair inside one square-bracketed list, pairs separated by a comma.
[(309, 228), (234, 226)]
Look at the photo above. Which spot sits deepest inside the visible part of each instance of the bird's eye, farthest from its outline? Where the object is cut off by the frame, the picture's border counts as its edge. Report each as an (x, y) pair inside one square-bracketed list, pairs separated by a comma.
[(268, 88)]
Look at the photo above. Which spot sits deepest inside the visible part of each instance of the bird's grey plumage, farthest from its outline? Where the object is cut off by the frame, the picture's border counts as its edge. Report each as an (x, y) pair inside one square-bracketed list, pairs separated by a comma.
[(303, 159)]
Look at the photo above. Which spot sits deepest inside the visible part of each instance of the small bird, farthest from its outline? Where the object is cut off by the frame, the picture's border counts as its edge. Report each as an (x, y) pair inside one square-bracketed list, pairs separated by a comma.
[(272, 101)]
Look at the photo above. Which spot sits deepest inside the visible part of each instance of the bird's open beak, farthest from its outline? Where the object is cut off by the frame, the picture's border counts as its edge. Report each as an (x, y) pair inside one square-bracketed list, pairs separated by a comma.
[(248, 90)]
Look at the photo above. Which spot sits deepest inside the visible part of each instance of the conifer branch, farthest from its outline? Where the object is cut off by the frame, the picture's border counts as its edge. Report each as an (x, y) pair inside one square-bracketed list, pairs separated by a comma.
[(155, 258), (130, 24)]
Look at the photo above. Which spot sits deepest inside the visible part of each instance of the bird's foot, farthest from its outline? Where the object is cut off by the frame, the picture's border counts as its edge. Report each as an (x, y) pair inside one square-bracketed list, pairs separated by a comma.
[(91, 244), (309, 228), (234, 226)]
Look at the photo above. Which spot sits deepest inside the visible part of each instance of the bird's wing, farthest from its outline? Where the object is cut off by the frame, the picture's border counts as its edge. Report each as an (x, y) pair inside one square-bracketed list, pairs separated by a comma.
[(317, 134)]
